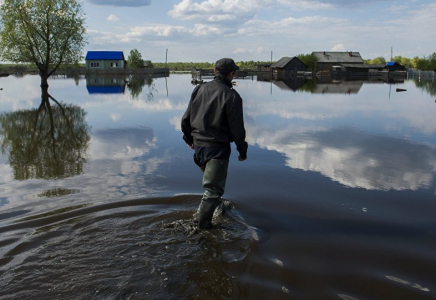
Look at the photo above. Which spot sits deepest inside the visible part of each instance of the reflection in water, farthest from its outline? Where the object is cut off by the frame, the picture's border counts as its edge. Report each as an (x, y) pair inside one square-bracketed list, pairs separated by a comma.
[(122, 143), (105, 84), (305, 236), (135, 84), (45, 143), (405, 282), (331, 85), (116, 84), (314, 85), (346, 87), (288, 83), (429, 86), (355, 159), (57, 192)]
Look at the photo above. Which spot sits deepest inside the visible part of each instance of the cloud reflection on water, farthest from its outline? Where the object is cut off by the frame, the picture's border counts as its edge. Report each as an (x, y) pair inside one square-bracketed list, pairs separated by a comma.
[(354, 158)]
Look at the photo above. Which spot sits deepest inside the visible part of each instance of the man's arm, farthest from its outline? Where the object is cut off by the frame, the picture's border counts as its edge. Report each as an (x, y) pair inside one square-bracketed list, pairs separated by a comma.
[(235, 118), (186, 126), (186, 121)]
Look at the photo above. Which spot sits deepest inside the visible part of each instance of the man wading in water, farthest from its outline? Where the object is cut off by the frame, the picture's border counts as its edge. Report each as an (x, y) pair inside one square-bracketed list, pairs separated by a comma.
[(213, 120)]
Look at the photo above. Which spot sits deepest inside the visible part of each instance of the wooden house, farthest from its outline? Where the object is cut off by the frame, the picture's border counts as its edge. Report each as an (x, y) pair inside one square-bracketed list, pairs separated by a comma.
[(105, 60), (264, 68), (287, 66), (331, 60)]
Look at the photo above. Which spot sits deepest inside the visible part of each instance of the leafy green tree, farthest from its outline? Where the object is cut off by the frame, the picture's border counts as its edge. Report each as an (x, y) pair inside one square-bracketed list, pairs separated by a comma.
[(378, 61), (407, 62), (47, 33), (432, 62), (397, 59), (418, 63), (135, 59), (309, 60)]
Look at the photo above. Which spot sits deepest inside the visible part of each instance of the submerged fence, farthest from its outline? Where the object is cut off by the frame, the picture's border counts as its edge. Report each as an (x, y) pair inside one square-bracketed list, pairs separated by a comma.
[(424, 75)]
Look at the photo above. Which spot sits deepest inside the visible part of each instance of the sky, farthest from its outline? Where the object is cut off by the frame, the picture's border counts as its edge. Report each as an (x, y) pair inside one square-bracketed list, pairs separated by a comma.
[(206, 30)]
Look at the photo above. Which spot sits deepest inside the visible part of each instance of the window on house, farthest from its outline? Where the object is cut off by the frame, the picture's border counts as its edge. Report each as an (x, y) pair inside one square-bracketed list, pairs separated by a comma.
[(95, 65), (114, 65)]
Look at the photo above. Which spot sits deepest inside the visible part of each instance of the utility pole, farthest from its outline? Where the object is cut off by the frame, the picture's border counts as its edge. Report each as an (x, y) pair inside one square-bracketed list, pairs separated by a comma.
[(392, 53), (166, 59)]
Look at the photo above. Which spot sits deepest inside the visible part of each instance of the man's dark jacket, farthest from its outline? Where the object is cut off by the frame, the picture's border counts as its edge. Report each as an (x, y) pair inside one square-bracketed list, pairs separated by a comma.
[(214, 116)]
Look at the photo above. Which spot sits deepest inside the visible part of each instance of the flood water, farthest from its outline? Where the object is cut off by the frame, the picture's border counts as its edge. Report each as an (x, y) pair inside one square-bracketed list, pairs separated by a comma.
[(336, 200)]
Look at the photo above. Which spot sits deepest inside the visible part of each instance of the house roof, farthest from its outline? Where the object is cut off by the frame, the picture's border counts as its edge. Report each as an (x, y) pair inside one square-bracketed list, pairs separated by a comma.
[(392, 63), (104, 55), (364, 66), (338, 57), (282, 62)]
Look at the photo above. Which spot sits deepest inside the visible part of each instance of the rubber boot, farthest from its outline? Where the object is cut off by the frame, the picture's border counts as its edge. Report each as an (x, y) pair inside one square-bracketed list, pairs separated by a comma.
[(214, 182)]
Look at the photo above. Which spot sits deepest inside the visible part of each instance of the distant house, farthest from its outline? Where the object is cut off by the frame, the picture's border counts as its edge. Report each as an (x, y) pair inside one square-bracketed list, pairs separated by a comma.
[(394, 66), (264, 67), (330, 60), (105, 60), (288, 66)]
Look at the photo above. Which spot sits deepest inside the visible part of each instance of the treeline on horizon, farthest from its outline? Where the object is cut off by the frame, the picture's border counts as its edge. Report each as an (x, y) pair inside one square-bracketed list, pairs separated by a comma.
[(426, 63)]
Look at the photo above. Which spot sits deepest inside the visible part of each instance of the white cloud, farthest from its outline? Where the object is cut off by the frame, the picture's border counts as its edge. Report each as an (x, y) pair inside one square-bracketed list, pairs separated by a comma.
[(338, 47), (314, 26), (112, 18), (128, 3), (138, 34), (215, 10), (259, 50), (398, 8), (205, 30), (236, 10)]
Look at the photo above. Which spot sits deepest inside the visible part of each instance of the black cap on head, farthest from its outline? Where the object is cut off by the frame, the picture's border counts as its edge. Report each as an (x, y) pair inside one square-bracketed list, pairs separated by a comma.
[(225, 66)]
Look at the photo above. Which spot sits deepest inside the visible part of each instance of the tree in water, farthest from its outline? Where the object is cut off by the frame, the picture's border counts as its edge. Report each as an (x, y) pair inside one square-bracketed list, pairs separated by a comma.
[(47, 33), (309, 60), (135, 60), (48, 142)]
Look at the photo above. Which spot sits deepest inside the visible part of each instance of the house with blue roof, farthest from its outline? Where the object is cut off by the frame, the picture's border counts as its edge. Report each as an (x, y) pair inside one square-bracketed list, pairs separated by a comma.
[(394, 66), (105, 60)]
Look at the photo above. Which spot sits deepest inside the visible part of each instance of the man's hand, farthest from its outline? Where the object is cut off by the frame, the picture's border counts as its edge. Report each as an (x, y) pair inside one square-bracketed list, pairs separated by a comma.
[(242, 158), (191, 146)]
